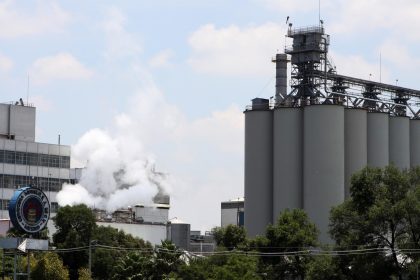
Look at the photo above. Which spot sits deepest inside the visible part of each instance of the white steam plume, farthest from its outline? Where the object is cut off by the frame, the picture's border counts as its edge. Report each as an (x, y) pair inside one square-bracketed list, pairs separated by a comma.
[(118, 173), (203, 155)]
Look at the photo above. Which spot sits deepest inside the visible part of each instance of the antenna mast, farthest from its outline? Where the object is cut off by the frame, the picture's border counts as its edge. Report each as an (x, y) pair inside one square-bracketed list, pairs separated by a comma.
[(27, 92), (319, 11)]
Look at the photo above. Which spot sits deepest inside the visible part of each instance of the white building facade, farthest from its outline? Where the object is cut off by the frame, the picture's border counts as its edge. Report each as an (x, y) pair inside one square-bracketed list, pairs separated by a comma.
[(26, 162)]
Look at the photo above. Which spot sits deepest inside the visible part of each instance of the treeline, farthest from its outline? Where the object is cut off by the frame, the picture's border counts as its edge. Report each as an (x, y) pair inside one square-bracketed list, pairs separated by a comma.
[(376, 234)]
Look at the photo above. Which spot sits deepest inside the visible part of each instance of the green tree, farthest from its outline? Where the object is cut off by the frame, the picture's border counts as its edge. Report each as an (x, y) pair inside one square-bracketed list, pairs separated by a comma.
[(230, 237), (133, 266), (103, 260), (75, 226), (219, 267), (84, 274), (49, 267), (8, 264), (383, 212), (166, 259), (143, 265), (324, 268), (293, 232)]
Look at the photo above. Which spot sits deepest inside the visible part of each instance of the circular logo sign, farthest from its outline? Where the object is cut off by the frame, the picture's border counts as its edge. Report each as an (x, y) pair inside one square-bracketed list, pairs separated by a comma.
[(29, 209)]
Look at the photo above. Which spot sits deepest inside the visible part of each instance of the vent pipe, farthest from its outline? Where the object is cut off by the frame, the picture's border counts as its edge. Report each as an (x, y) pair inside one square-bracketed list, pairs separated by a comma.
[(281, 61)]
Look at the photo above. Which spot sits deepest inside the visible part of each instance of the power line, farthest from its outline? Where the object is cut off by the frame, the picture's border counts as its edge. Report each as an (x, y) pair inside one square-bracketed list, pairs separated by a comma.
[(308, 252)]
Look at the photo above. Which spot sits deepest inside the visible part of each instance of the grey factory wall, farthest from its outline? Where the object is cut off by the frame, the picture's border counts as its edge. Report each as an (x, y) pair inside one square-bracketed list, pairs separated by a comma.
[(414, 143), (18, 121), (377, 141), (258, 170), (355, 135), (399, 142), (323, 163), (287, 162), (304, 158)]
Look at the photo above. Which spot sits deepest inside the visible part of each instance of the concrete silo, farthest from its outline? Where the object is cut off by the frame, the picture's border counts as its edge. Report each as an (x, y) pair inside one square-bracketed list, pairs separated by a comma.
[(323, 163), (258, 167), (377, 139), (399, 142), (287, 162), (355, 133), (326, 128), (415, 142)]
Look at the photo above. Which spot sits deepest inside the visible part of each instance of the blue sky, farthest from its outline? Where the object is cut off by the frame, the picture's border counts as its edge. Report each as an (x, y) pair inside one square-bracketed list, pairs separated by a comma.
[(183, 71)]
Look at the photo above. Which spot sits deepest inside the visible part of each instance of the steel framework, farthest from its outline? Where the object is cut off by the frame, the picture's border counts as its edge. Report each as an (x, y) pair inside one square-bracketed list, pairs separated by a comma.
[(314, 80)]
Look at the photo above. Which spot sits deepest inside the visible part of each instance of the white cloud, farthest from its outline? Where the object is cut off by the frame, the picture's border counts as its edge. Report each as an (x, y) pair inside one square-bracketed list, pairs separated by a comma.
[(119, 42), (236, 51), (46, 17), (399, 55), (400, 17), (357, 66), (5, 63), (162, 59), (41, 103), (343, 16), (62, 66), (291, 5), (203, 156)]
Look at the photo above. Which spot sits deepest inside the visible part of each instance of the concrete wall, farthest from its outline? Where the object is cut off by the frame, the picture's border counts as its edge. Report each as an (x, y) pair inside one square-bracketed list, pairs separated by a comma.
[(323, 163), (18, 121), (179, 234), (152, 233), (399, 142), (258, 171), (151, 214), (378, 139), (287, 162), (414, 143), (355, 135)]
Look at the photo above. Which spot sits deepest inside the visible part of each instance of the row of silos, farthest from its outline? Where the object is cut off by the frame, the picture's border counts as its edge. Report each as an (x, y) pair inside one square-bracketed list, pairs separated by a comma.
[(304, 158)]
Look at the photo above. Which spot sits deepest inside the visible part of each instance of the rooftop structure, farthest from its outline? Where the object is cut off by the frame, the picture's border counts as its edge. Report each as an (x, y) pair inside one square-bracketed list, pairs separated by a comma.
[(232, 212)]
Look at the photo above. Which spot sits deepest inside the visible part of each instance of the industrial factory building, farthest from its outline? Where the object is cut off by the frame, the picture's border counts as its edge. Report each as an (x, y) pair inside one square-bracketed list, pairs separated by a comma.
[(24, 161), (47, 166), (303, 145), (232, 212)]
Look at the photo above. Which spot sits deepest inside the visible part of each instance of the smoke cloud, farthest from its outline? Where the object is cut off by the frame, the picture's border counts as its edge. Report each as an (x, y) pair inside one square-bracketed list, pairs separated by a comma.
[(117, 174), (203, 157)]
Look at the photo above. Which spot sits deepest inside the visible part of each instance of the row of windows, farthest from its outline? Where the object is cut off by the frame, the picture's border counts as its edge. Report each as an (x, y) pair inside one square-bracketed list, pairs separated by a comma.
[(45, 184), (4, 205), (24, 158)]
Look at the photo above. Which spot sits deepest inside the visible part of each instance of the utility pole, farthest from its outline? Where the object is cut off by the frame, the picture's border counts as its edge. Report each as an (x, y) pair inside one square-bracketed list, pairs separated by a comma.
[(91, 242), (90, 257)]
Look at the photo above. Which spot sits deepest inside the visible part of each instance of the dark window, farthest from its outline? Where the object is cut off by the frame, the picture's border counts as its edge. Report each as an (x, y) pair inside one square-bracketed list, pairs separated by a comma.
[(54, 207), (9, 157), (32, 159), (43, 160), (4, 204), (9, 181), (65, 162), (54, 161), (21, 158)]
